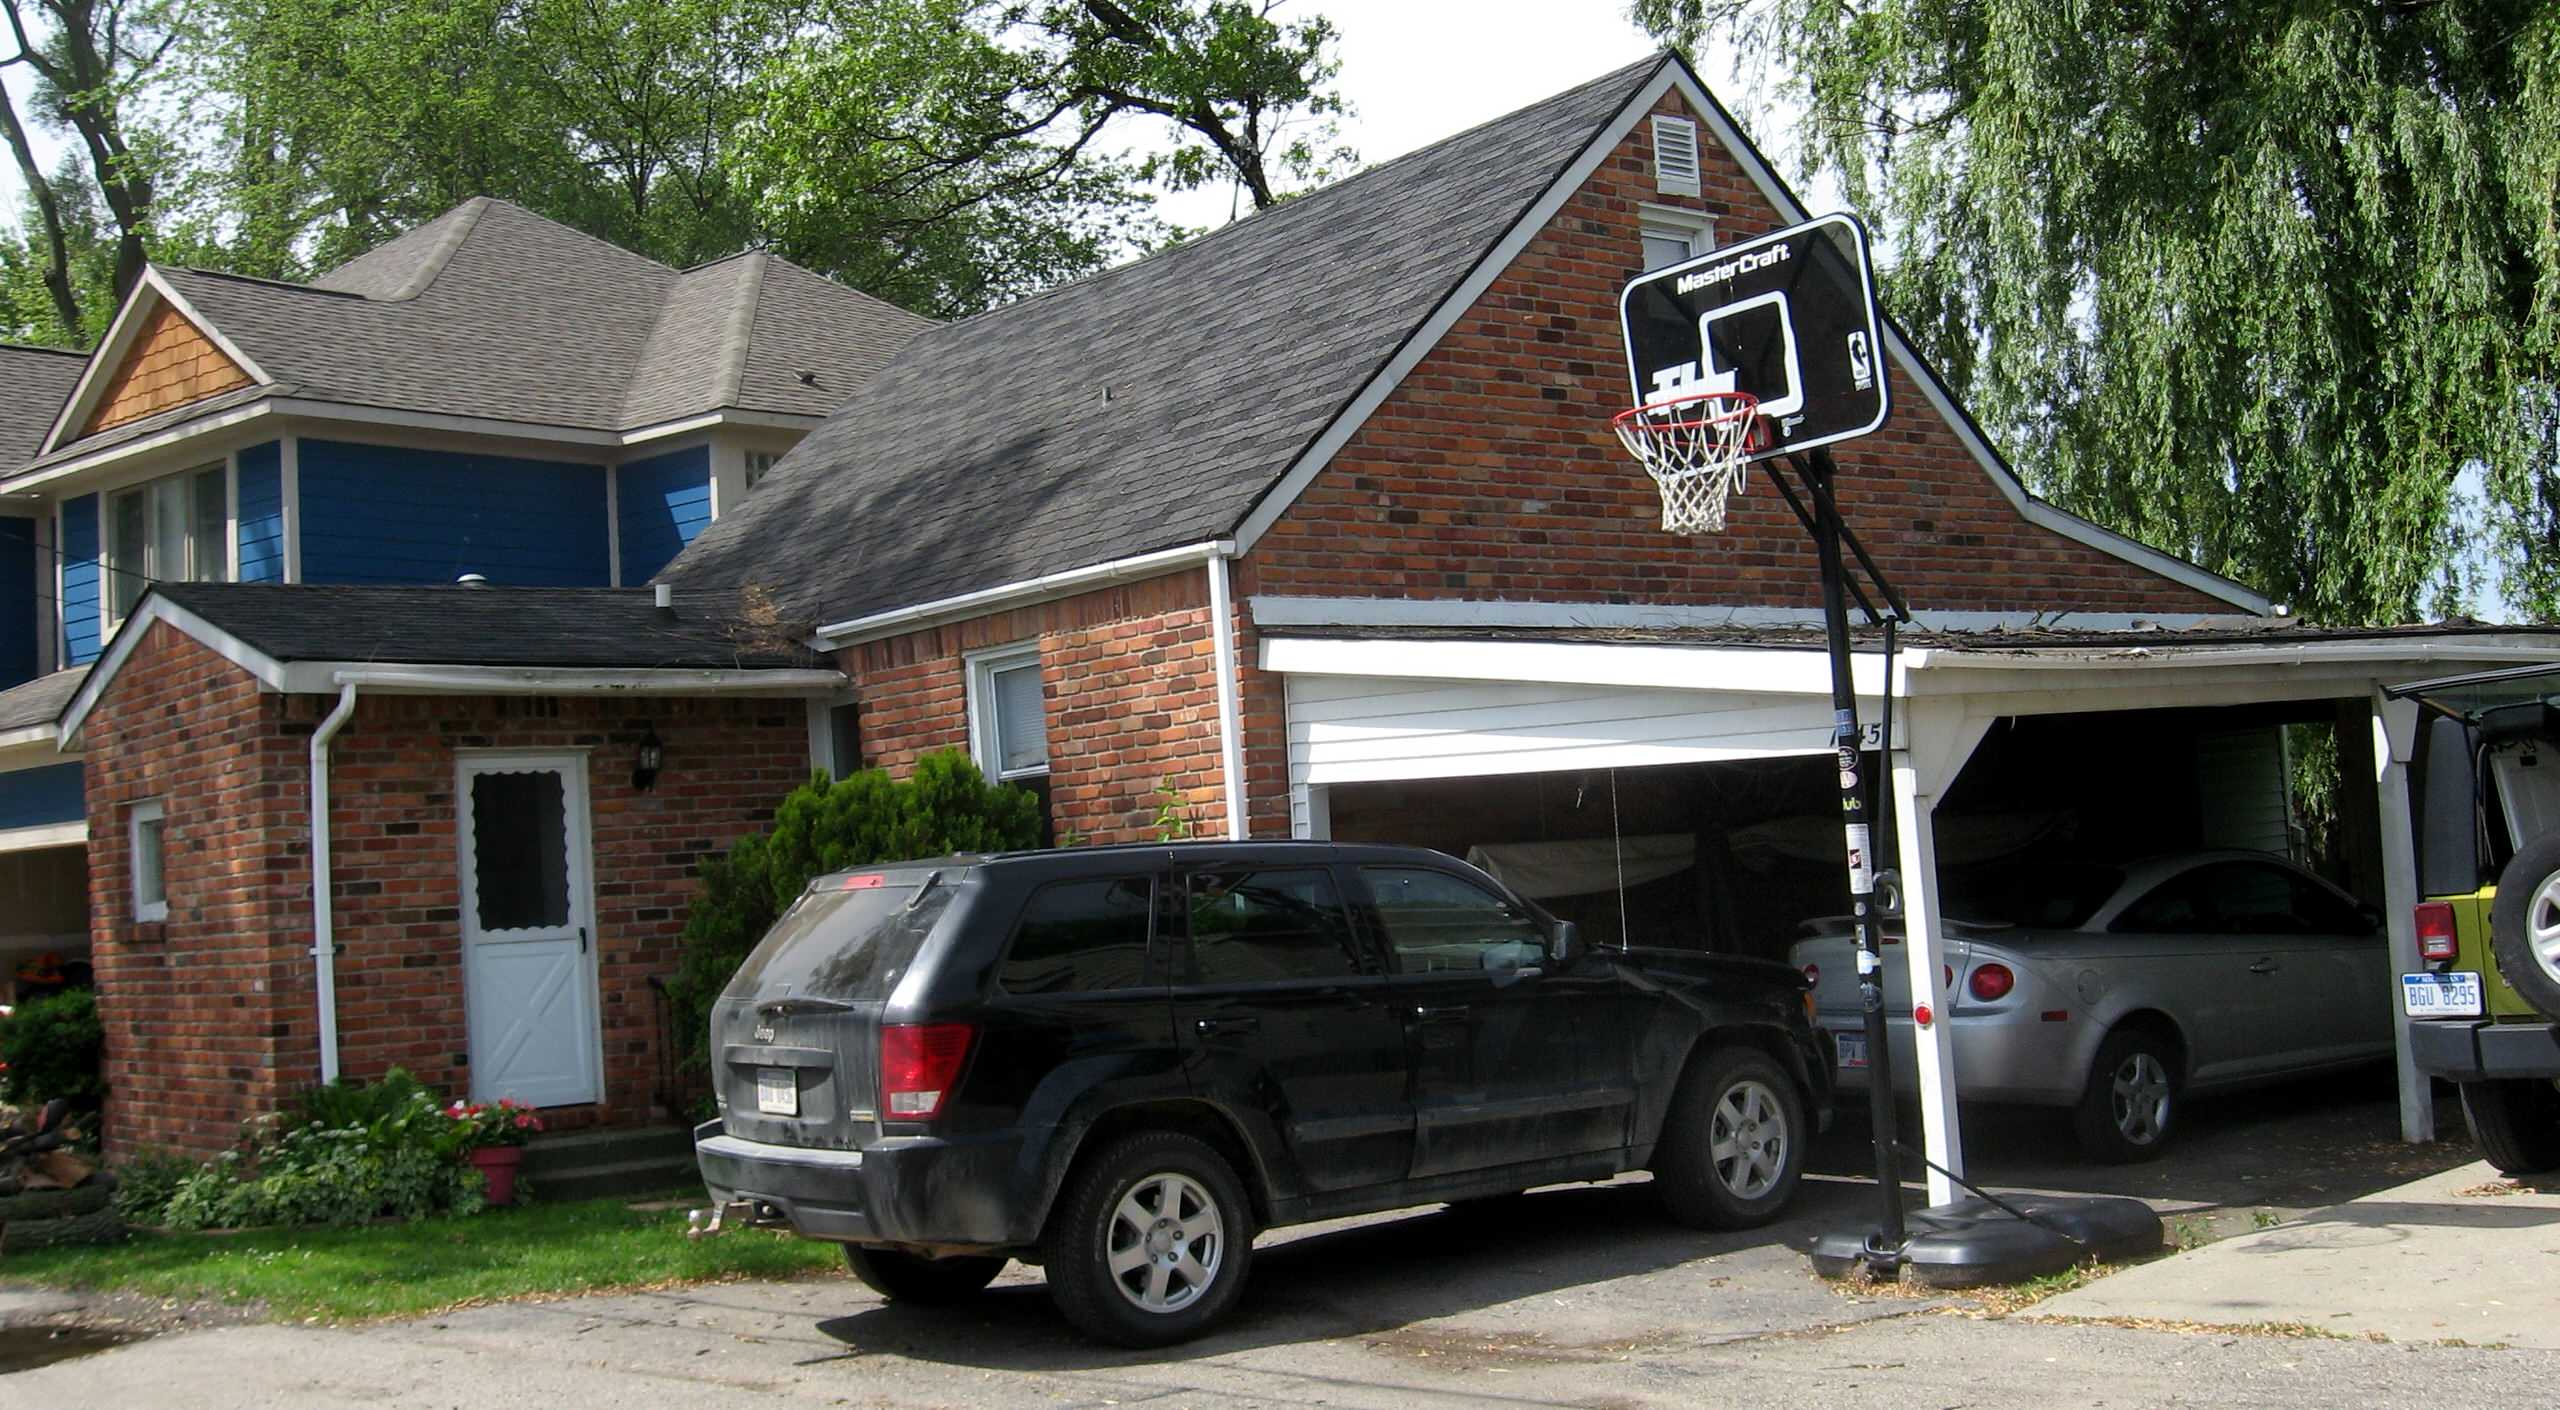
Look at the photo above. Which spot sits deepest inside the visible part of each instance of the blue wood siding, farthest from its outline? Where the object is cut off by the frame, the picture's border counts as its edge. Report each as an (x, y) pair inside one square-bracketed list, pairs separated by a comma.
[(80, 580), (388, 514), (262, 513), (40, 796), (663, 502), (18, 599)]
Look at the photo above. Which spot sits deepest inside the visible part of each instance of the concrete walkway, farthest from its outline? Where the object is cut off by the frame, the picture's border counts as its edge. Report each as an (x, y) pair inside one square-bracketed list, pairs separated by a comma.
[(2464, 1255)]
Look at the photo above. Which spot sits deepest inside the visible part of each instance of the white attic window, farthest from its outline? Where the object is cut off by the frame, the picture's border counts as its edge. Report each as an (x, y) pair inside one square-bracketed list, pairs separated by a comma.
[(1675, 155)]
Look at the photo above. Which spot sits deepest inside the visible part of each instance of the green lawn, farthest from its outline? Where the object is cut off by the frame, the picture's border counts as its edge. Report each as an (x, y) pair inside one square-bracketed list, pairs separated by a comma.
[(395, 1270)]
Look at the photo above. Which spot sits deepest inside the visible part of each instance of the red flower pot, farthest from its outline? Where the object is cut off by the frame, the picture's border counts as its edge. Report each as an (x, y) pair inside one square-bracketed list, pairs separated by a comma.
[(498, 1164)]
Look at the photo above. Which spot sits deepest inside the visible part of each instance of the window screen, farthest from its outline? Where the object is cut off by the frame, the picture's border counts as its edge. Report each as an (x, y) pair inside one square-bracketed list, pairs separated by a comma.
[(208, 556), (1257, 926), (128, 559), (150, 862), (1661, 249), (1081, 935), (520, 849), (1436, 922)]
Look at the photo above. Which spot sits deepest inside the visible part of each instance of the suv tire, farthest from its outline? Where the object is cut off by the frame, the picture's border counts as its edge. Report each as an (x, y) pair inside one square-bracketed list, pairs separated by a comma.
[(2130, 1107), (2524, 924), (1150, 1243), (1733, 1144), (912, 1278), (2516, 1121)]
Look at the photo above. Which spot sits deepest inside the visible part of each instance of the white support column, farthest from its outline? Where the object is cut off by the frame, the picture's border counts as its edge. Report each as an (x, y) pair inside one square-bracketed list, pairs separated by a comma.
[(2395, 740), (1938, 742), (1924, 948)]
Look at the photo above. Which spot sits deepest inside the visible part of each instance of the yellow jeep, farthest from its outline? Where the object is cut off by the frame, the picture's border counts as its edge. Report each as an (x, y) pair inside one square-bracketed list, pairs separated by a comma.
[(2485, 1013)]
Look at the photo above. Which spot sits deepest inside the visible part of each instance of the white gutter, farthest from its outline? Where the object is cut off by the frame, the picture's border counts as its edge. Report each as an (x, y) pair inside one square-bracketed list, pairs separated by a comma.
[(324, 944), (313, 677), (855, 630), (1222, 631)]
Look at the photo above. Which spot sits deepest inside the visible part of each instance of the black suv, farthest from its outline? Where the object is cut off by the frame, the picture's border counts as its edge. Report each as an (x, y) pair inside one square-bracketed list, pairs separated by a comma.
[(1121, 1062)]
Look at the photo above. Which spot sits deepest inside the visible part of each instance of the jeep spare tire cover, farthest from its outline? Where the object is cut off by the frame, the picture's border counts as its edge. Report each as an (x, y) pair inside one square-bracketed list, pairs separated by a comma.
[(2524, 924)]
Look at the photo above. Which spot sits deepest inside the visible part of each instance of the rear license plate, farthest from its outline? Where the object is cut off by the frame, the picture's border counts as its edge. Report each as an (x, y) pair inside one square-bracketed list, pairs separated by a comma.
[(2455, 995), (777, 1091), (1853, 1049)]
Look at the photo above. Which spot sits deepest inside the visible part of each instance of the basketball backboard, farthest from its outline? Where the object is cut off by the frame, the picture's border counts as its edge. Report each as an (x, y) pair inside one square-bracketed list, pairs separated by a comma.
[(1789, 317)]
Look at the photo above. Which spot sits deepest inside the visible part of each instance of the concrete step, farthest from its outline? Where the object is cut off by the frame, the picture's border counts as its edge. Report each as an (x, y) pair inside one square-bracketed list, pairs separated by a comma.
[(623, 1177), (571, 1150)]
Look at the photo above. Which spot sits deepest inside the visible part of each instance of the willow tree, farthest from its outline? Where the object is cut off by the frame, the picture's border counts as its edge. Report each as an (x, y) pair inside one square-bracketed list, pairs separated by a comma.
[(2253, 280)]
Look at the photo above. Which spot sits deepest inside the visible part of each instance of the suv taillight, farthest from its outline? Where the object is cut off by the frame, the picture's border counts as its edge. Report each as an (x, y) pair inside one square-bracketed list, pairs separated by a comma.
[(2435, 930), (919, 1062)]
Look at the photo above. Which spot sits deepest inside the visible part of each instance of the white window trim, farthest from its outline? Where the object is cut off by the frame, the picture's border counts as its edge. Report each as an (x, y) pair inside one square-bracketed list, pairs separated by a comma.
[(984, 747), (149, 811), (1697, 229), (1671, 183)]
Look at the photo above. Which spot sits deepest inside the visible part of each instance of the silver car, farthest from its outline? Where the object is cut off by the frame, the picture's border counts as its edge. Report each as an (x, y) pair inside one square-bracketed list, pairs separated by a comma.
[(2117, 991)]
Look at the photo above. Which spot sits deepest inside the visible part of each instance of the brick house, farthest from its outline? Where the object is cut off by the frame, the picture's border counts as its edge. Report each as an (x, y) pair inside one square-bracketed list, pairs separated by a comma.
[(1376, 411), (492, 393), (516, 785)]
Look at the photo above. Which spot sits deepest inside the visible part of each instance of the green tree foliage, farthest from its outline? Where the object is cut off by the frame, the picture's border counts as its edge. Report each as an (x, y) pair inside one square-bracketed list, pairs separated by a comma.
[(53, 1047), (2253, 280), (945, 806), (944, 154)]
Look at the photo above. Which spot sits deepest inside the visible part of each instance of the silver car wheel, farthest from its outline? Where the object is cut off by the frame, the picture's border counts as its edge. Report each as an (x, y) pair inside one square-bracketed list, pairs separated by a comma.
[(2141, 1098), (2542, 924), (1166, 1242), (1748, 1139)]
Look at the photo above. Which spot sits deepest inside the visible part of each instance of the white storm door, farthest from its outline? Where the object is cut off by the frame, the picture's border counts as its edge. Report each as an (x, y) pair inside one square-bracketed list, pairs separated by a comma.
[(528, 952)]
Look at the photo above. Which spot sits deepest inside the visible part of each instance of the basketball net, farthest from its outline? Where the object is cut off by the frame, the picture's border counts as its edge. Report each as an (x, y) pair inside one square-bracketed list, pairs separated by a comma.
[(1696, 448)]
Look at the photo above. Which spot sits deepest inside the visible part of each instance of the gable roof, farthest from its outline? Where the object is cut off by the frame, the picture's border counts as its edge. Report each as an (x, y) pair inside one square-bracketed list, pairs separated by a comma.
[(1146, 406), (34, 383), (493, 312), (30, 707), (1188, 397)]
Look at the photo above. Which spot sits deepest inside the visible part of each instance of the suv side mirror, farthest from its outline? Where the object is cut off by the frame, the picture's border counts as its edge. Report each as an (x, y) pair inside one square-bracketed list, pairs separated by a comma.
[(1567, 943)]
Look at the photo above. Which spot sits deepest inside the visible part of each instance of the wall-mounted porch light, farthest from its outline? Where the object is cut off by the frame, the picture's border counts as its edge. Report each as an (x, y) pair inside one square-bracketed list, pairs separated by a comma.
[(646, 762)]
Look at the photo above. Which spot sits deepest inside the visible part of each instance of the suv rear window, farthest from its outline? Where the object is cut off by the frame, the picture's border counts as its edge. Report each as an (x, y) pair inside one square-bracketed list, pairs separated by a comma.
[(849, 944), (1081, 935)]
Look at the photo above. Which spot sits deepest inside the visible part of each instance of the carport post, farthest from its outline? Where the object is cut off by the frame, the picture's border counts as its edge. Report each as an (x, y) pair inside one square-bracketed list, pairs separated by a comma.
[(2395, 739), (1923, 945)]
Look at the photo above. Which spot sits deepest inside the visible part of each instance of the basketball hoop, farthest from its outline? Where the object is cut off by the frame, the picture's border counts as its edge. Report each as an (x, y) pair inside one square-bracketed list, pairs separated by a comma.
[(1696, 448)]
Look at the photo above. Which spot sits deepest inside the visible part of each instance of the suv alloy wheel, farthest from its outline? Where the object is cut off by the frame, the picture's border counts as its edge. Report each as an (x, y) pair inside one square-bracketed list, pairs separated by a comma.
[(1150, 1243), (1733, 1144)]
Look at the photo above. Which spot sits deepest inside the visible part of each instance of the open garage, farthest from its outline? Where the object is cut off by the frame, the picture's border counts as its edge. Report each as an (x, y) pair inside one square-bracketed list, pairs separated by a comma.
[(1674, 785)]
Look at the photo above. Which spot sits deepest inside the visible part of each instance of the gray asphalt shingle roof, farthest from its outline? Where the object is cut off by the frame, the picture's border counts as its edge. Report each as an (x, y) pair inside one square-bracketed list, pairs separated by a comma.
[(493, 311), (39, 701), (602, 628), (34, 383), (1145, 407)]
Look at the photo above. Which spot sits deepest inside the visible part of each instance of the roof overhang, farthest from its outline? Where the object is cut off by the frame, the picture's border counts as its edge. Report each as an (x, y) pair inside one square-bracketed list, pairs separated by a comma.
[(1981, 680), (305, 411), (459, 678), (153, 289), (855, 630)]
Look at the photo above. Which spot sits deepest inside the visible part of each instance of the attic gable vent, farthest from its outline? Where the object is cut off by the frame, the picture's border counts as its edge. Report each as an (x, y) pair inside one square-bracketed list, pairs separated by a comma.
[(1675, 155)]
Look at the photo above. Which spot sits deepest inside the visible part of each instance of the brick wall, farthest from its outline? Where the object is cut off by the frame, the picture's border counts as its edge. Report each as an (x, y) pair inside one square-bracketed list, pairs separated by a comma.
[(170, 364), (1132, 691), (1490, 471), (212, 1018), (202, 1010)]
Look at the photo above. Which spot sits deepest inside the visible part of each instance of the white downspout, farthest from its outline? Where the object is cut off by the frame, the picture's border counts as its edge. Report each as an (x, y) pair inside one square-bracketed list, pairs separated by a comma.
[(1222, 631), (324, 945)]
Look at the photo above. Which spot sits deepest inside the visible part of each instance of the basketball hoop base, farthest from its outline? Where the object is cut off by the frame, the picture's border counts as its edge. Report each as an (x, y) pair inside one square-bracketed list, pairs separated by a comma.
[(1974, 1242)]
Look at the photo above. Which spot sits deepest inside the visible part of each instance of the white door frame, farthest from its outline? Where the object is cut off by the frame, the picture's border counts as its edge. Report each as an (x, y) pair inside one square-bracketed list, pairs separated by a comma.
[(579, 822)]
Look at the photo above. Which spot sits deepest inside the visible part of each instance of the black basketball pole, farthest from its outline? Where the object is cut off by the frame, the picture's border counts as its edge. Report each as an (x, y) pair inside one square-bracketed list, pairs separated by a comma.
[(1885, 1249)]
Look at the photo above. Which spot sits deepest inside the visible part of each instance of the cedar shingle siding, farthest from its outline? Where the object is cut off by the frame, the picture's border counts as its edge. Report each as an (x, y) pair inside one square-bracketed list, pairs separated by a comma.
[(172, 363)]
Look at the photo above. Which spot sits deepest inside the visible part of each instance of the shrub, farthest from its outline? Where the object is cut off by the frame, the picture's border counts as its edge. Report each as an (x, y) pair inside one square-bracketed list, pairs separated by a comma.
[(945, 806), (146, 1182), (350, 1153), (53, 1047)]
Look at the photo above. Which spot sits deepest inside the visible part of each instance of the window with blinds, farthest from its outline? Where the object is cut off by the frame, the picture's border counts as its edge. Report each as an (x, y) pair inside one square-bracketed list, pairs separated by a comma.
[(1008, 722)]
